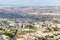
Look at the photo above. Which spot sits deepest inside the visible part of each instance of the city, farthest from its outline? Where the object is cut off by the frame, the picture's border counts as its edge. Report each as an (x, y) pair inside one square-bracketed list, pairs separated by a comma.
[(28, 23)]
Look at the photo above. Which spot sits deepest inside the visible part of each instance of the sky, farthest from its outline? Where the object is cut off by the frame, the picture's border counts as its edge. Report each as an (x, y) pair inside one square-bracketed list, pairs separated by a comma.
[(18, 3)]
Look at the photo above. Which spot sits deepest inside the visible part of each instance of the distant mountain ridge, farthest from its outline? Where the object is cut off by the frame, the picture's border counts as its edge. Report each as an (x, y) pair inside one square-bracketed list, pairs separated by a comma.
[(32, 9)]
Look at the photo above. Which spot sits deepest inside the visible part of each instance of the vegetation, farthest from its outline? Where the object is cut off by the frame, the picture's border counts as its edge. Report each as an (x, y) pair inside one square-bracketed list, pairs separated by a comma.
[(9, 34)]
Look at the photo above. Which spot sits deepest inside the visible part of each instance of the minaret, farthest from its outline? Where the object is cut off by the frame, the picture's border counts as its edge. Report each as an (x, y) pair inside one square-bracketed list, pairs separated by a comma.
[(15, 33)]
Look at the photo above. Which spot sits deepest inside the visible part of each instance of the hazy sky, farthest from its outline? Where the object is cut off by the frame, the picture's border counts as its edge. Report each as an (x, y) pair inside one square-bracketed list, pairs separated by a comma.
[(29, 3)]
